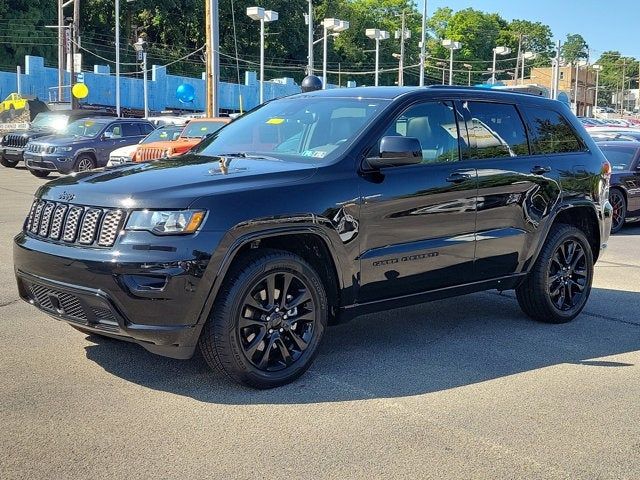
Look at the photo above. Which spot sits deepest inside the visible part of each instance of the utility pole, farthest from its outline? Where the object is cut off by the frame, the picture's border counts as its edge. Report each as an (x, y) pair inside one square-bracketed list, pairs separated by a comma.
[(401, 70), (624, 73), (75, 40), (515, 78), (423, 40), (213, 65), (60, 49)]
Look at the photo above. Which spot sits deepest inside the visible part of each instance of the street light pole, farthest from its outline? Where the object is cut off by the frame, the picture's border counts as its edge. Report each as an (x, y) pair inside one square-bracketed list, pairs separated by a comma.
[(401, 71), (423, 40), (117, 6), (259, 13), (310, 39), (498, 51), (597, 68), (377, 35), (262, 60), (336, 26), (451, 45), (468, 67), (526, 56), (60, 49)]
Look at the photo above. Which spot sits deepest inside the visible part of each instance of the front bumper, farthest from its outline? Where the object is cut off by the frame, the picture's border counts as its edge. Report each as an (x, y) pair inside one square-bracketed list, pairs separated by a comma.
[(14, 154), (153, 297), (49, 162)]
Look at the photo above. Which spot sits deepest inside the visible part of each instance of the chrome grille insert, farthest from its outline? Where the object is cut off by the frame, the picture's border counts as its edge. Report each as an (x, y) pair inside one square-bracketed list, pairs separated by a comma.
[(71, 225), (32, 212), (56, 224), (36, 217), (89, 225), (46, 219), (110, 228)]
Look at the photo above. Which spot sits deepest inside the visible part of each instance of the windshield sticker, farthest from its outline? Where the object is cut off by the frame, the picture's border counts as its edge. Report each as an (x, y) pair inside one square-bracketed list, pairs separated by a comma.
[(275, 121), (204, 129), (314, 153)]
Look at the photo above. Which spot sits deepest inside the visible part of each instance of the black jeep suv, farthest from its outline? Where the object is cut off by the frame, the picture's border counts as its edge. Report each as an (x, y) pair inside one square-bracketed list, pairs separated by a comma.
[(318, 207)]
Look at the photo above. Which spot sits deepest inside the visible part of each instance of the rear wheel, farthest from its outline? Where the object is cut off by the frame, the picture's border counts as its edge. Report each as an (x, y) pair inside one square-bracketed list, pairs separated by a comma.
[(267, 322), (558, 286), (40, 173), (616, 198), (5, 162)]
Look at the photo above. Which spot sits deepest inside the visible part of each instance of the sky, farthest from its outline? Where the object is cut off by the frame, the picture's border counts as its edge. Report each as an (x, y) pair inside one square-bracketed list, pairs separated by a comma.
[(608, 25)]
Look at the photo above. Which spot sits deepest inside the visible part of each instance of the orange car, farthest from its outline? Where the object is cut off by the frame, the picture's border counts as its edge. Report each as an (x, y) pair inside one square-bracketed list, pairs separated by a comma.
[(191, 135)]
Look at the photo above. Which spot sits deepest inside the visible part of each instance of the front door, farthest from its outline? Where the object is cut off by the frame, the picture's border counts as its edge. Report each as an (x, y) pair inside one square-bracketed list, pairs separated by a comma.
[(418, 221)]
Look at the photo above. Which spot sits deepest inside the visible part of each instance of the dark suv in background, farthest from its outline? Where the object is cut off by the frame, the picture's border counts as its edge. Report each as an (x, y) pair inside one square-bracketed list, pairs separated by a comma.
[(315, 208), (85, 144), (45, 123)]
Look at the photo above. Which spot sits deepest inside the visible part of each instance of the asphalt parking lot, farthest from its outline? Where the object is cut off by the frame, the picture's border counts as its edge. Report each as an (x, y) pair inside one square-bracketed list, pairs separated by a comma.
[(460, 388)]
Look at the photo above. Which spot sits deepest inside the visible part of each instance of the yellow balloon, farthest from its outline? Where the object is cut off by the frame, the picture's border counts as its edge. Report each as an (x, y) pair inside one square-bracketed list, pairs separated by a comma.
[(80, 90)]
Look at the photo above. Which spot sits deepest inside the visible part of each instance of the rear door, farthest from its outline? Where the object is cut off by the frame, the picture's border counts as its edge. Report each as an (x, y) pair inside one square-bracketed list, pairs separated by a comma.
[(515, 189), (418, 221)]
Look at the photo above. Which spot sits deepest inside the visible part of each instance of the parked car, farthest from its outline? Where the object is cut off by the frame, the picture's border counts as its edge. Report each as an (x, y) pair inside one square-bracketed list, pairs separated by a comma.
[(614, 136), (86, 144), (13, 102), (624, 193), (125, 154), (318, 207), (191, 135), (45, 123)]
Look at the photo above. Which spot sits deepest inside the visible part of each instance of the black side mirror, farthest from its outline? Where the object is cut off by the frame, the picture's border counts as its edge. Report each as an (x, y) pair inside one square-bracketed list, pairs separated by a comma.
[(396, 151)]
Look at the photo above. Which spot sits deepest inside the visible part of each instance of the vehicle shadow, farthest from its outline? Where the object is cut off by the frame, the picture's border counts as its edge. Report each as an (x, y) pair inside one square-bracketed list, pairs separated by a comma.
[(410, 351)]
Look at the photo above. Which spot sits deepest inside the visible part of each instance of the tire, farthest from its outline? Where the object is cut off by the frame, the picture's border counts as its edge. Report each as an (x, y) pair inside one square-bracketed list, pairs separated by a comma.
[(40, 173), (619, 204), (542, 296), (238, 350), (84, 163), (5, 162)]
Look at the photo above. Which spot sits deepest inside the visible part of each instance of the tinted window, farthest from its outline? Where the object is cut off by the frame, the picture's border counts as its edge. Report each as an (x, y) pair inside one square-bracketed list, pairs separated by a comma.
[(552, 133), (146, 128), (131, 129), (620, 158), (495, 130), (434, 125), (201, 129)]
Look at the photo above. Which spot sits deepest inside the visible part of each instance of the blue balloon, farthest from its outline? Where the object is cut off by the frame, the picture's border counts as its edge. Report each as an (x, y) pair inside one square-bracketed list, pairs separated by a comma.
[(185, 93)]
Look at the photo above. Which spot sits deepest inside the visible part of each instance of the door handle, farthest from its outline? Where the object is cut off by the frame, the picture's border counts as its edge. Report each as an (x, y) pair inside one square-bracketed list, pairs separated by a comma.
[(458, 177), (540, 170)]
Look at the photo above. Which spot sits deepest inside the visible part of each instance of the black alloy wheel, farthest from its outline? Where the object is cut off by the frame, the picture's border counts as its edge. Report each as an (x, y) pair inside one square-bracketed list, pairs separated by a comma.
[(277, 322), (568, 275), (267, 320), (558, 285), (616, 198)]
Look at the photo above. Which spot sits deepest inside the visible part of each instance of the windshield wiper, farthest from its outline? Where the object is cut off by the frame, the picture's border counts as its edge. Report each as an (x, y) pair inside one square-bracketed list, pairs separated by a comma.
[(248, 155)]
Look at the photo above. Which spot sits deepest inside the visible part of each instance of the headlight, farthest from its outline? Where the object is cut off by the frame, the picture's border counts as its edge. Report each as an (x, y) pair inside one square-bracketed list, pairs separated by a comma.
[(63, 149), (166, 153), (166, 222)]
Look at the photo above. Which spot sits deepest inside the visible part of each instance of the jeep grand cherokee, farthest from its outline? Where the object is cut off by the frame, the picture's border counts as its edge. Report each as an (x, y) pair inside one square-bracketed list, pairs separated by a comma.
[(318, 207)]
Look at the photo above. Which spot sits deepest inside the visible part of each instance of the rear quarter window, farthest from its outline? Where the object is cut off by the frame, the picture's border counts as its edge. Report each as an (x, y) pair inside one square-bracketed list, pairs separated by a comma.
[(552, 133)]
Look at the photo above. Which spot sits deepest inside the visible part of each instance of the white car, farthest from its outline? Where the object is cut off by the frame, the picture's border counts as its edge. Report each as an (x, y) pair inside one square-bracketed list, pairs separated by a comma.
[(124, 155)]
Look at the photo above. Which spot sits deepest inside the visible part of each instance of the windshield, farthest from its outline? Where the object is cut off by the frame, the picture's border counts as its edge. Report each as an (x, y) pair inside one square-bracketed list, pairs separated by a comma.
[(54, 121), (316, 128), (85, 128), (620, 158), (163, 134), (201, 129)]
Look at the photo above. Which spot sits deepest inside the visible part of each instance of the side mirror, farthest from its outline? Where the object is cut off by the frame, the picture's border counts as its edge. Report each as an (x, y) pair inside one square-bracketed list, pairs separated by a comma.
[(107, 135), (396, 151)]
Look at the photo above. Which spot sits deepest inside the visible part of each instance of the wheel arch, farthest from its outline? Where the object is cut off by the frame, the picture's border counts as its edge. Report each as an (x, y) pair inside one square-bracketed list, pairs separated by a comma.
[(581, 215), (309, 242)]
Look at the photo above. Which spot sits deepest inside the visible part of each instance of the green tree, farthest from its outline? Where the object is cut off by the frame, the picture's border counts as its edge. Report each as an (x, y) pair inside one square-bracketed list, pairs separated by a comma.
[(574, 48)]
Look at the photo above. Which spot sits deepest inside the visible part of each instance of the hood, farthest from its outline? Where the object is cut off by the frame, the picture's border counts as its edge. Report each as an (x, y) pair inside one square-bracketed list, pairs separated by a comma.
[(124, 151), (180, 142), (173, 183), (61, 140)]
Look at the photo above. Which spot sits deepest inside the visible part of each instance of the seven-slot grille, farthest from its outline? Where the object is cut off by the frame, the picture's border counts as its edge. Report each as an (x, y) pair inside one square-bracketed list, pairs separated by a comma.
[(74, 223), (37, 148), (149, 153), (14, 140)]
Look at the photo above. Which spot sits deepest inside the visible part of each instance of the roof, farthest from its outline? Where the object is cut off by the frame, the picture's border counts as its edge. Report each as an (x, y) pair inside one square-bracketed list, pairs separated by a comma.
[(391, 93)]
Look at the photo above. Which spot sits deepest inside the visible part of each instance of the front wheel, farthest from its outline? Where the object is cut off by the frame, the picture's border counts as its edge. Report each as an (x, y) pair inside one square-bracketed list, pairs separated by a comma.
[(40, 173), (616, 198), (558, 286), (5, 162), (268, 320), (84, 163)]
